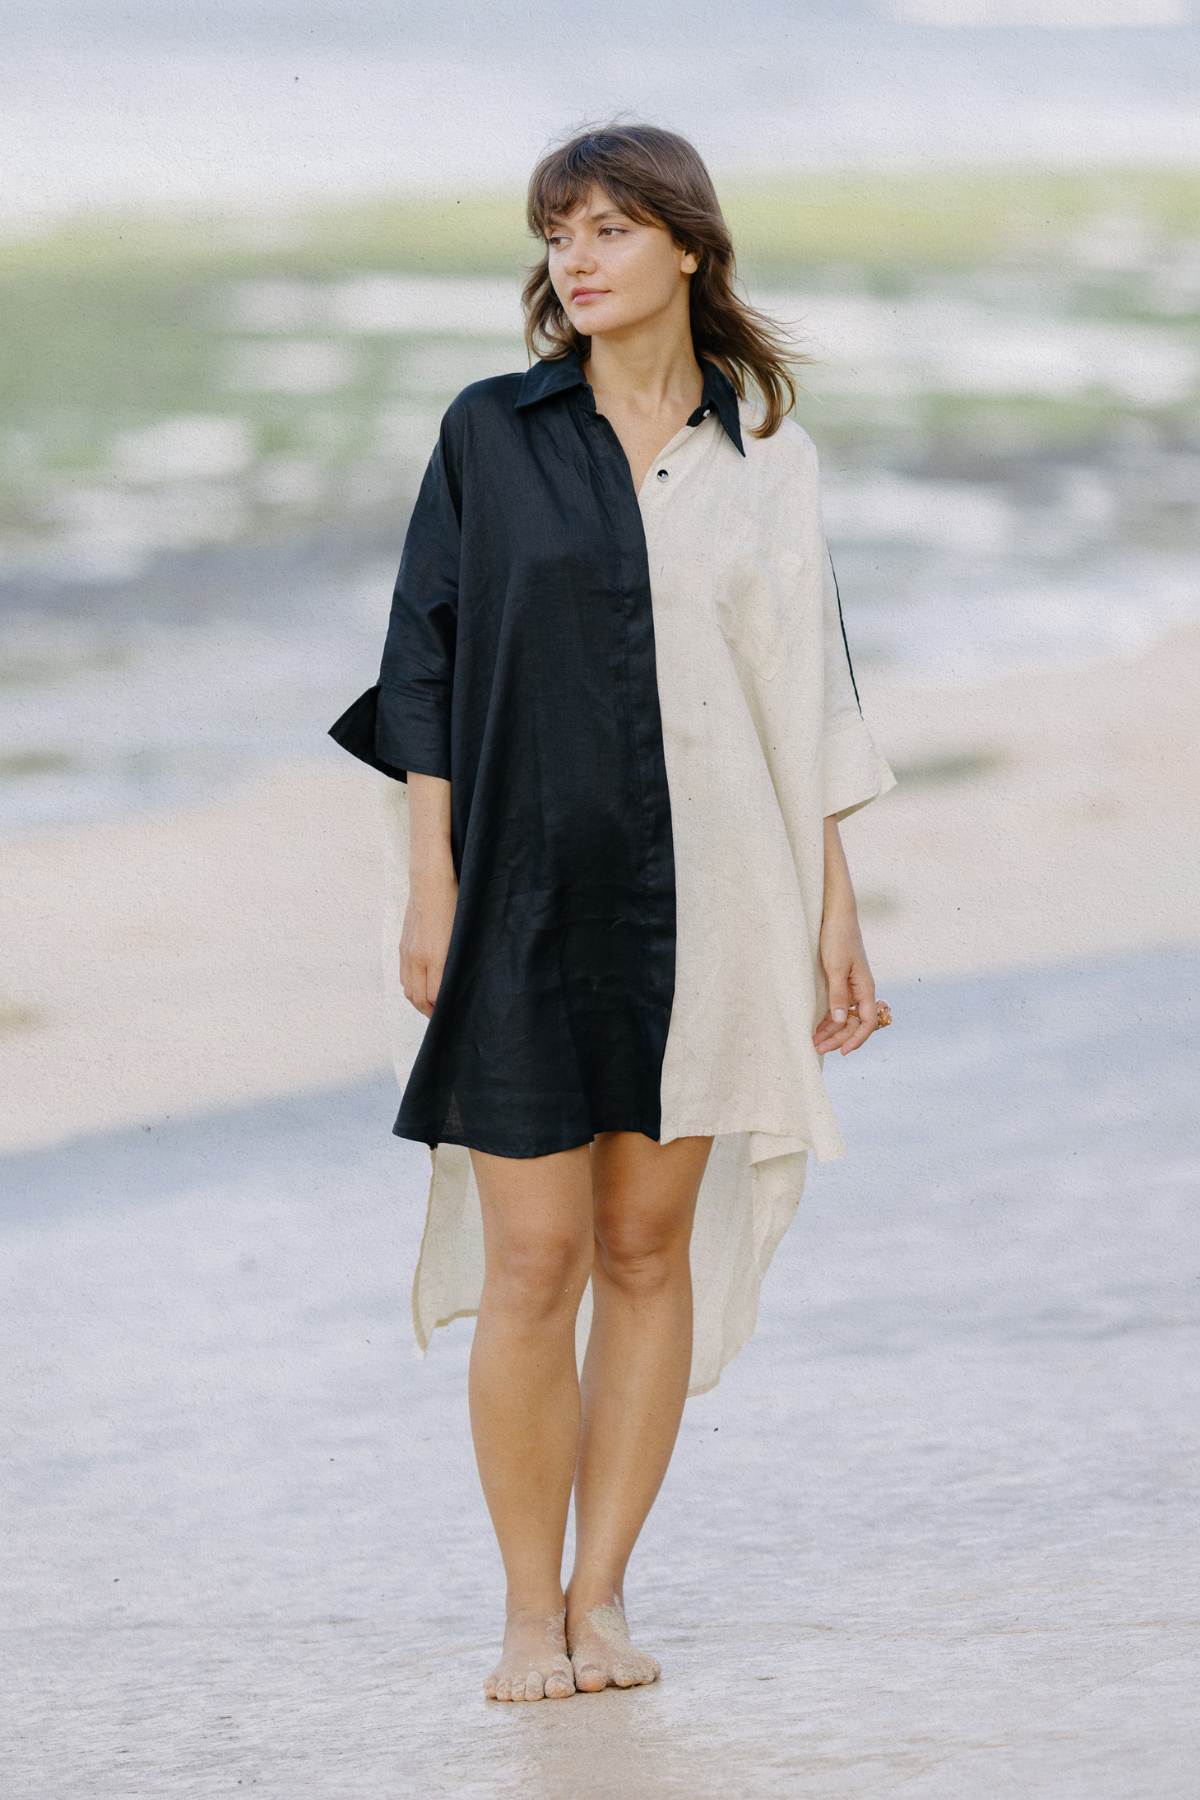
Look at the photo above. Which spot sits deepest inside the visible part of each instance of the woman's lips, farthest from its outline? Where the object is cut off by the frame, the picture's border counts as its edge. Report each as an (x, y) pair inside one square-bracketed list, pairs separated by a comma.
[(590, 294)]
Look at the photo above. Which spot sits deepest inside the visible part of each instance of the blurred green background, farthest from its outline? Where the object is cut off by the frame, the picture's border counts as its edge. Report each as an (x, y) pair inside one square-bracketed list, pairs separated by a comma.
[(297, 359)]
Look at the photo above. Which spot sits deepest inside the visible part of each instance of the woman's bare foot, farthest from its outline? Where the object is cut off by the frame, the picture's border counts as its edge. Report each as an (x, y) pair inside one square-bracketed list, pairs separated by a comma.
[(534, 1664), (601, 1652)]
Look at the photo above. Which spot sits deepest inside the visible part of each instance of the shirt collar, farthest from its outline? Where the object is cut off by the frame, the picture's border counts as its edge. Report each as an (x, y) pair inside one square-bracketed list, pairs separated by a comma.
[(552, 375)]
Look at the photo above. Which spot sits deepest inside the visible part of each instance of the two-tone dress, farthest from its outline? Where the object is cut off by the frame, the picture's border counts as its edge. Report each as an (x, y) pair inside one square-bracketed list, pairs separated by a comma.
[(645, 706)]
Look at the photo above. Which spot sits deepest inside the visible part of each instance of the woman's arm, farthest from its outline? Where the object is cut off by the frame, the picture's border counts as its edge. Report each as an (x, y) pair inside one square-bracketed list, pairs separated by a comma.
[(854, 773), (402, 725)]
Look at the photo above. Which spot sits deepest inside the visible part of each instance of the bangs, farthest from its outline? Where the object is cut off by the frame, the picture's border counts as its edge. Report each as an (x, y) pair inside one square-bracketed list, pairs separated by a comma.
[(564, 181)]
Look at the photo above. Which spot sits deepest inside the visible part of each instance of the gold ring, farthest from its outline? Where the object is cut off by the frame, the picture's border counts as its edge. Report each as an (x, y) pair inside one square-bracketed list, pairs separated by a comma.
[(883, 1014)]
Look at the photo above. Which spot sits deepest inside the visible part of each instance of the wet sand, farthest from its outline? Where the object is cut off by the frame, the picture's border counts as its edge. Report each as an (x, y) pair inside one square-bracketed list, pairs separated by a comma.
[(932, 1535)]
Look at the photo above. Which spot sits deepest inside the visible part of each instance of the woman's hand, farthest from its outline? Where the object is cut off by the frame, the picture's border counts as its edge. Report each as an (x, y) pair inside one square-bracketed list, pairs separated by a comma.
[(843, 957), (848, 974), (425, 939)]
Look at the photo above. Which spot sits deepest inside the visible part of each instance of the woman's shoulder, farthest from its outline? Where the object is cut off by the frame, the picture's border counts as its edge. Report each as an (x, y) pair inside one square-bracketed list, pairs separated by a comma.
[(466, 417), (488, 393), (789, 449)]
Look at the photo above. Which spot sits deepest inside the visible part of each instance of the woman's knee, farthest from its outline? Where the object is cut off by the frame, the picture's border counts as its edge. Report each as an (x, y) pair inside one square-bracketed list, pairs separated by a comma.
[(539, 1271), (642, 1254), (537, 1230), (645, 1198)]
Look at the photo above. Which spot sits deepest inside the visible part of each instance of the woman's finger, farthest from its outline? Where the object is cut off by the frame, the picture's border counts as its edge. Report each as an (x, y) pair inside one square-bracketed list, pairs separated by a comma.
[(829, 1035), (839, 996), (829, 1026), (413, 981), (864, 1017)]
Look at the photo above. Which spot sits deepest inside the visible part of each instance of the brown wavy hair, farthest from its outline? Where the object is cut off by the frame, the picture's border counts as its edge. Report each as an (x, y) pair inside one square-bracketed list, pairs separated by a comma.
[(658, 178)]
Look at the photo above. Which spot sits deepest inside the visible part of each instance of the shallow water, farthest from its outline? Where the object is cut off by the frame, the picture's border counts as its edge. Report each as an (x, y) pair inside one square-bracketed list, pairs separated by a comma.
[(932, 1534)]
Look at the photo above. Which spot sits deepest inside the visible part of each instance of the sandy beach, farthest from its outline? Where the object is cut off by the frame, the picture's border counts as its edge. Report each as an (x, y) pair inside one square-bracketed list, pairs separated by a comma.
[(245, 1545), (168, 964)]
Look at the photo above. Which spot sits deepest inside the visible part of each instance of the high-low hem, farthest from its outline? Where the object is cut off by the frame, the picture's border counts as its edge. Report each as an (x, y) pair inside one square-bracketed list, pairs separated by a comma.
[(745, 1205)]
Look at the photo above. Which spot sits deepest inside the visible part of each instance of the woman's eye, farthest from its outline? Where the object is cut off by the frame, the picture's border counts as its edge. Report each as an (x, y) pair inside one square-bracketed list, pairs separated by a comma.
[(551, 241)]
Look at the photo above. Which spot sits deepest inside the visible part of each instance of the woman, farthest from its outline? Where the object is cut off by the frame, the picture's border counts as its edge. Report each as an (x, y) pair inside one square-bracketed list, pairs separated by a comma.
[(617, 708)]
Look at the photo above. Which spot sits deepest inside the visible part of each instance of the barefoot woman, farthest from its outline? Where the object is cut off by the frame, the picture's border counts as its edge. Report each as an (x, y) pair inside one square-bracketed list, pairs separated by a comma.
[(618, 711)]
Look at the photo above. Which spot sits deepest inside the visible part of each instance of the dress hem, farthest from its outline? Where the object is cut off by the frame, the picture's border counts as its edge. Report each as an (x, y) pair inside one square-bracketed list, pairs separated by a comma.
[(522, 1155)]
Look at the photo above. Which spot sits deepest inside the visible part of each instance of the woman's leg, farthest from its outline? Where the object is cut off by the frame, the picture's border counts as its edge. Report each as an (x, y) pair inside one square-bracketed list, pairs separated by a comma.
[(524, 1397), (635, 1379)]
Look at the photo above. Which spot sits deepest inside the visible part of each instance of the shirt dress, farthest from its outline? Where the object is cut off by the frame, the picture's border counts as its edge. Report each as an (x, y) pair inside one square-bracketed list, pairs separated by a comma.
[(645, 705)]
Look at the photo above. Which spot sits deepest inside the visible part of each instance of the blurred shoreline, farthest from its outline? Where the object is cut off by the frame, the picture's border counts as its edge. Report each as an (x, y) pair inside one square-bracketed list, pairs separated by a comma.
[(212, 954), (214, 427)]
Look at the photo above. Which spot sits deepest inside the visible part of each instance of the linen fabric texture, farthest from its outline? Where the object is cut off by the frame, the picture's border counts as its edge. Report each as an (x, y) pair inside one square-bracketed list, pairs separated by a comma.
[(645, 705)]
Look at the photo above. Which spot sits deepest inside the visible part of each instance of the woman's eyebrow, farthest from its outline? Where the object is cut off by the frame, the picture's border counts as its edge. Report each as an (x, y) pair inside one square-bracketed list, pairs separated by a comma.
[(609, 212)]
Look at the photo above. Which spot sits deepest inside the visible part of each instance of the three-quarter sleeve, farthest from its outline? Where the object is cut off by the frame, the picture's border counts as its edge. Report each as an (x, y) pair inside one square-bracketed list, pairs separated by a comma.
[(854, 771), (402, 723)]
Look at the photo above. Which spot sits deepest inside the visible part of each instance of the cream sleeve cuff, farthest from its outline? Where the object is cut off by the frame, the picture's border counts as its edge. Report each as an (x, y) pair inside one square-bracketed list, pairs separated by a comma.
[(855, 772)]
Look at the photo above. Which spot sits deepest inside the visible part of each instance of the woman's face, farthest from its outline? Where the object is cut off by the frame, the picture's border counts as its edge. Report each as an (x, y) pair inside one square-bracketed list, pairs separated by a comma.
[(609, 271)]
